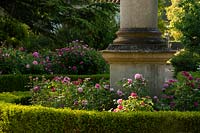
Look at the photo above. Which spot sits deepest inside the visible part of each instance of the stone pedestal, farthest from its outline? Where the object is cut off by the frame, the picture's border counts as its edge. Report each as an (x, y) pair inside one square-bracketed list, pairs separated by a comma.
[(152, 65), (138, 47)]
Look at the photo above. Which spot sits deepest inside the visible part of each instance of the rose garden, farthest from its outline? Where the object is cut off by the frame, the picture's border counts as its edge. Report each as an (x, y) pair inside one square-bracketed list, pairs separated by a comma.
[(78, 68)]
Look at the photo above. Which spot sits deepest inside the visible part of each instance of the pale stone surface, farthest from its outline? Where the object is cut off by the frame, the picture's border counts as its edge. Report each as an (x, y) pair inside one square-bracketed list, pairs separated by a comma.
[(146, 57), (152, 65), (138, 13), (155, 74)]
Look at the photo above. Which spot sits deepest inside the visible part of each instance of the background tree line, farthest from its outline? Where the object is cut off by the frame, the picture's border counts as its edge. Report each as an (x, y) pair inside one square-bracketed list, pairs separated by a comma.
[(53, 23)]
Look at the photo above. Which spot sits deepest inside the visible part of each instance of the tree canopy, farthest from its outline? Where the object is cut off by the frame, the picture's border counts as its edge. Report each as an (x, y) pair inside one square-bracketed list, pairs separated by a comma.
[(55, 22)]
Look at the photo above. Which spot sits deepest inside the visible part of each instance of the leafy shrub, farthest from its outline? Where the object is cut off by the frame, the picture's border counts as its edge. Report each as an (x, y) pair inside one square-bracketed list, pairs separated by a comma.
[(78, 58), (9, 83), (134, 94), (74, 59), (13, 33), (185, 61), (80, 94), (182, 95), (134, 103), (17, 61), (137, 85)]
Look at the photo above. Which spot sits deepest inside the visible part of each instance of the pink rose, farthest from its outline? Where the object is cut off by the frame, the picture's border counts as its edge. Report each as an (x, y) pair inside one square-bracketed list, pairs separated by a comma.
[(166, 85), (80, 89), (74, 68), (120, 107), (119, 101), (134, 94), (196, 104), (138, 76), (27, 66), (36, 88), (170, 81), (35, 62), (35, 54), (97, 86), (142, 103), (66, 80), (155, 97), (76, 102), (111, 89), (130, 81), (115, 110), (120, 93), (190, 77), (53, 89), (186, 74), (84, 102)]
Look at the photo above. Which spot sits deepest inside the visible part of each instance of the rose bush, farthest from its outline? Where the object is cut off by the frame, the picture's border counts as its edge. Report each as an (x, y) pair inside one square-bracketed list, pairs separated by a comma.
[(180, 95), (134, 103), (17, 61), (137, 85), (61, 92), (77, 58)]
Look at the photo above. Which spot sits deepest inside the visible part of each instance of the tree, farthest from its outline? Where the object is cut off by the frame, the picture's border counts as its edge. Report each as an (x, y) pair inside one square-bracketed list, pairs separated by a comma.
[(185, 26), (189, 25), (174, 12), (55, 22)]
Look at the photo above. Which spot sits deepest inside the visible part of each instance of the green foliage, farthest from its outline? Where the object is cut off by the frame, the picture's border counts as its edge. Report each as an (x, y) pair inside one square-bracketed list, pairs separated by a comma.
[(135, 95), (181, 95), (162, 24), (134, 103), (52, 23), (185, 61), (93, 24), (190, 24), (181, 78), (74, 59), (9, 83), (17, 97), (12, 32), (18, 119), (79, 59), (61, 92), (14, 61), (138, 85), (184, 22), (174, 13)]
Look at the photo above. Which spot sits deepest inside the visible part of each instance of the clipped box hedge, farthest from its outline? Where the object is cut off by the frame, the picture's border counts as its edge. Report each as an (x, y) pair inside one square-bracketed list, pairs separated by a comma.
[(17, 97), (9, 83), (36, 119)]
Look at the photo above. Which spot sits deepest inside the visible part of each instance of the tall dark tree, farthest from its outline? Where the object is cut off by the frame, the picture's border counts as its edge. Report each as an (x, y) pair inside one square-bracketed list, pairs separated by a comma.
[(61, 21)]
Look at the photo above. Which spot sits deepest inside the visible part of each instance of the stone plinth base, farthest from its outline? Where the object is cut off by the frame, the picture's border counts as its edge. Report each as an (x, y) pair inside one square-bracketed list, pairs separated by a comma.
[(152, 65)]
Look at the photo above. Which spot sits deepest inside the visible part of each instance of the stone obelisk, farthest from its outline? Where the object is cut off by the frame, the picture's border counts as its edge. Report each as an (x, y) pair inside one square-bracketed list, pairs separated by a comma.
[(138, 47)]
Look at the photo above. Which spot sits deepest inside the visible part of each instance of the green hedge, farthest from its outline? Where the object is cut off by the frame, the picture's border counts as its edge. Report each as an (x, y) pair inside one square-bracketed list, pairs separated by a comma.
[(16, 97), (36, 119), (9, 83)]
